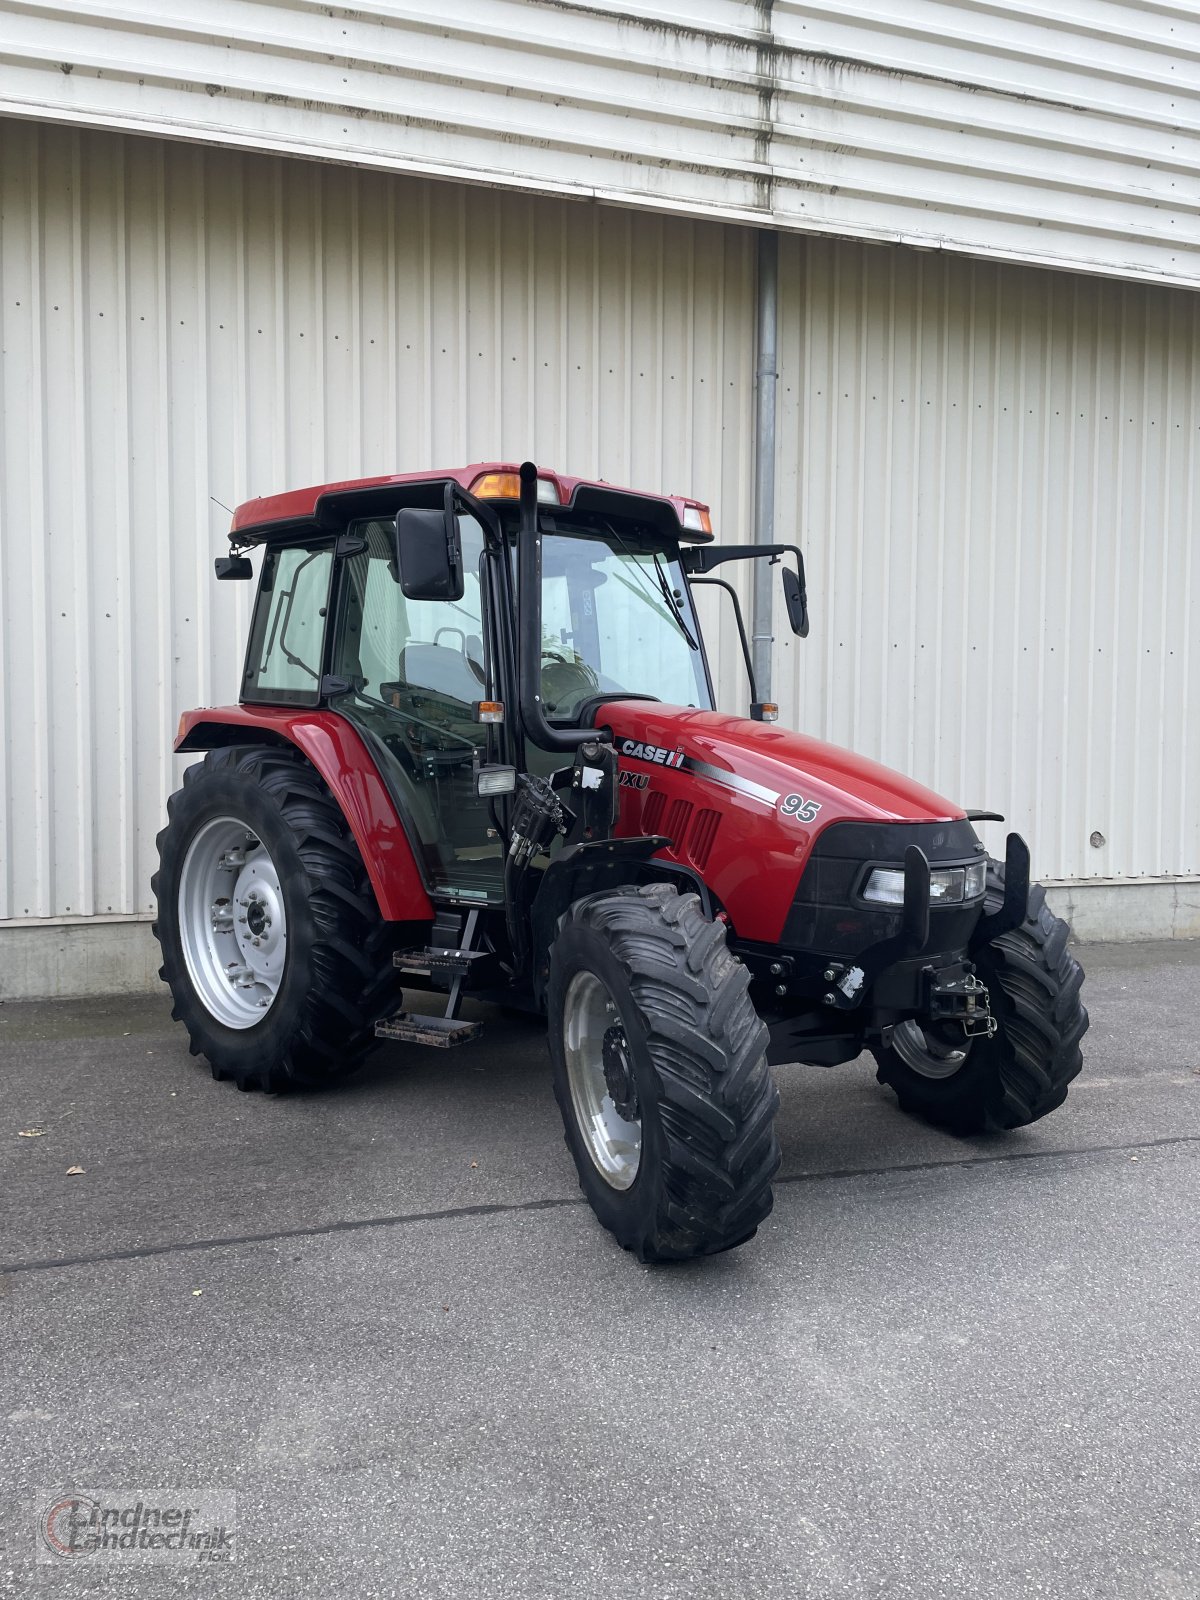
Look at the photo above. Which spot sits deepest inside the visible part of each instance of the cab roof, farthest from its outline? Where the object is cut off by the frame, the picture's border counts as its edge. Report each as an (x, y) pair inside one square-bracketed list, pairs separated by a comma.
[(325, 506)]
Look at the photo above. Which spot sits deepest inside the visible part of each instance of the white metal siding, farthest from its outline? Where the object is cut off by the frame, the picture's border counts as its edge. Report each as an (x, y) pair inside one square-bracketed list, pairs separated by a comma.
[(992, 469), (179, 323), (1065, 133), (994, 474)]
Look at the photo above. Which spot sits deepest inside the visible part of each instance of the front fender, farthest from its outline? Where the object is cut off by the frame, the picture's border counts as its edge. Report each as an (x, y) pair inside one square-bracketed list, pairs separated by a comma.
[(345, 764), (592, 867)]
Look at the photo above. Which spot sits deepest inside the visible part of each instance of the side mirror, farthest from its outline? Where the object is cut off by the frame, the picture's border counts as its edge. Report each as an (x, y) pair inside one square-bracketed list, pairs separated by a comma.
[(797, 600), (233, 567), (428, 554)]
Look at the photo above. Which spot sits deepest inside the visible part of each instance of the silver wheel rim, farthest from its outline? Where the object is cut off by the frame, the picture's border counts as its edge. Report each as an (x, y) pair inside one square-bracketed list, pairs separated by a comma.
[(927, 1055), (593, 1032), (232, 922)]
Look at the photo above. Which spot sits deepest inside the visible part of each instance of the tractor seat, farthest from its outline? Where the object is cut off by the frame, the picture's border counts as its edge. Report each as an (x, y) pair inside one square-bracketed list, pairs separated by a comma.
[(440, 670)]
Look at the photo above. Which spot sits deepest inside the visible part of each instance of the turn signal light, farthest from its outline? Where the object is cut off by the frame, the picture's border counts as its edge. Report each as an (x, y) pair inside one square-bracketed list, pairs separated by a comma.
[(489, 711), (697, 519), (507, 486)]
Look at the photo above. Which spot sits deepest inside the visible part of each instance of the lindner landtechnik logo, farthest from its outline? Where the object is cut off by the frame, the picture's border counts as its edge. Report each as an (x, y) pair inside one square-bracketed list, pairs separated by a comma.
[(166, 1525)]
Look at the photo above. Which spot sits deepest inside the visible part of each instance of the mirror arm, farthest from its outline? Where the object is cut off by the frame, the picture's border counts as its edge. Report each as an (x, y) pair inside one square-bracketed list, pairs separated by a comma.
[(720, 583), (700, 559), (703, 558)]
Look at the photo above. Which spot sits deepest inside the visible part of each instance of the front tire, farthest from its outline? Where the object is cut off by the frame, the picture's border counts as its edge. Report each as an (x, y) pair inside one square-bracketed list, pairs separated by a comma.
[(273, 948), (660, 1073), (1023, 1071)]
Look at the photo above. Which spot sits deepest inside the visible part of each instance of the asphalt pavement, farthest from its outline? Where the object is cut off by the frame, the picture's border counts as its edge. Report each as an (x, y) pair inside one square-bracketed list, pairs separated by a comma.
[(384, 1320)]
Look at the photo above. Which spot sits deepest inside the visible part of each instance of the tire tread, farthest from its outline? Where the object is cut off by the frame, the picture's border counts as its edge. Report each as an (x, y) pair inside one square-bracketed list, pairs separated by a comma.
[(707, 1046)]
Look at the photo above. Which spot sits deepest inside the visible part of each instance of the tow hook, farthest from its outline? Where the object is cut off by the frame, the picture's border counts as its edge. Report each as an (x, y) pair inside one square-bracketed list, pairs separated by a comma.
[(956, 995)]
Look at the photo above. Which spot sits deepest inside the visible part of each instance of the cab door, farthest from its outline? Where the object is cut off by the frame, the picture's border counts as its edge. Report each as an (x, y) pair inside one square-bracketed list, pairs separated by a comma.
[(415, 669)]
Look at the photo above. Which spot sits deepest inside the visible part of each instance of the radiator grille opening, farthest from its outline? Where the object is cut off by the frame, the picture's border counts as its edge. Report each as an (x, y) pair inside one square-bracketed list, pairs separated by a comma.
[(677, 821), (652, 811), (700, 840)]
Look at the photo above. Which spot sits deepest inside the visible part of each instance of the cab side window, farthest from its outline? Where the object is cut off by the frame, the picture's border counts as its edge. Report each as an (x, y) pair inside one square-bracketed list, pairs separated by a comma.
[(413, 651), (284, 660)]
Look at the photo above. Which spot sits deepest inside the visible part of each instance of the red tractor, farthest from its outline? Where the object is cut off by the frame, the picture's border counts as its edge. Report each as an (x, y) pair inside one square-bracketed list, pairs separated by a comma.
[(477, 752)]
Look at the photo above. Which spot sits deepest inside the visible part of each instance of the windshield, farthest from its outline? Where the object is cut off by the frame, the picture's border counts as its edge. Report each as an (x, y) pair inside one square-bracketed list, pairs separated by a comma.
[(616, 618)]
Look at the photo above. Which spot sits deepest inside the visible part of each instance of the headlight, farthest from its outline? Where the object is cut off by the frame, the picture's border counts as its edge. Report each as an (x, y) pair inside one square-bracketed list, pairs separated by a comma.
[(495, 780), (976, 880), (947, 885), (885, 886)]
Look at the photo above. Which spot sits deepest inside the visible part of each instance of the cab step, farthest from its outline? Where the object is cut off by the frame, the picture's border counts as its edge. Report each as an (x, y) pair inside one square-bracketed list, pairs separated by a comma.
[(413, 1028), (442, 963)]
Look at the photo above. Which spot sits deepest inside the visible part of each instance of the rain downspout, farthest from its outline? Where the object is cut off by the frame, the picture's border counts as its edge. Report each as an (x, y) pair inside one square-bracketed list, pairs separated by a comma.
[(765, 381)]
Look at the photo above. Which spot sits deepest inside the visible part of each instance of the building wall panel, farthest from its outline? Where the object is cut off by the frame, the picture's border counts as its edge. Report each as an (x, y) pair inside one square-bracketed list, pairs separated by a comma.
[(992, 470), (183, 328), (993, 476), (1063, 134)]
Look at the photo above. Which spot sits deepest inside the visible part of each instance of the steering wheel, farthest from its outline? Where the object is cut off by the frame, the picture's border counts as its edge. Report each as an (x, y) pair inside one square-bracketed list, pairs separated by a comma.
[(566, 680)]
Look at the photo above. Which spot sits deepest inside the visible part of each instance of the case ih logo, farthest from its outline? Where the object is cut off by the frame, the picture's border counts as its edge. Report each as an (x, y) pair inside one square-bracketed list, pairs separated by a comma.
[(651, 752)]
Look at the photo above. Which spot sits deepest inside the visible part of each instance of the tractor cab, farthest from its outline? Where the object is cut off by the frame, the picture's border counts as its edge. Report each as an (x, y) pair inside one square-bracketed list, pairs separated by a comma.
[(401, 621)]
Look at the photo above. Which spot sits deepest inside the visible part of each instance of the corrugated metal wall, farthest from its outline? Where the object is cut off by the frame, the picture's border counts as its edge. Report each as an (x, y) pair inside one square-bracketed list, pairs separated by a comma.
[(992, 470), (995, 476), (178, 322), (1056, 133)]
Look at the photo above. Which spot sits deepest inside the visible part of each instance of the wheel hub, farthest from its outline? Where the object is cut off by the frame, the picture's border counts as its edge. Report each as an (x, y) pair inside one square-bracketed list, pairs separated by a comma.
[(259, 920), (928, 1050), (618, 1075)]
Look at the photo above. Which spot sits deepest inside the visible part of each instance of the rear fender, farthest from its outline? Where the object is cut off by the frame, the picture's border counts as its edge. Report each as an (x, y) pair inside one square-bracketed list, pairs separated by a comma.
[(345, 764)]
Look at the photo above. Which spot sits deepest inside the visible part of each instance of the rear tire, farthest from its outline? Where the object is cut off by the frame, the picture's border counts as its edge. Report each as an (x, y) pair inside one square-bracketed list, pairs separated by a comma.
[(317, 1016), (684, 1054), (1024, 1070)]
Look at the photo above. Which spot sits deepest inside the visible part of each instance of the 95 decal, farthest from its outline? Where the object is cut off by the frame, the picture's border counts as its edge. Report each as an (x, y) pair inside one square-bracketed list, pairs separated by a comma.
[(795, 805)]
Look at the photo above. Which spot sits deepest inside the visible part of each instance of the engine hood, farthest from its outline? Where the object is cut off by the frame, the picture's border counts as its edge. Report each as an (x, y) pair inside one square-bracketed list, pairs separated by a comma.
[(744, 757), (743, 801)]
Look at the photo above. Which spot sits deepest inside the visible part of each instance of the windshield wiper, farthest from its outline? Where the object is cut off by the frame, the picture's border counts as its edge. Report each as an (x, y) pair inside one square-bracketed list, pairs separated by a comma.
[(668, 594), (664, 583)]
